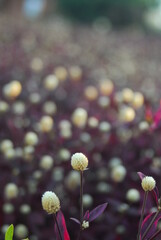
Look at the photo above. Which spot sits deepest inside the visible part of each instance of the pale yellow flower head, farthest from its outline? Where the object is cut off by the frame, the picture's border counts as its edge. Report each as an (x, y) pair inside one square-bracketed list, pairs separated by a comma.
[(50, 202), (148, 183), (79, 161)]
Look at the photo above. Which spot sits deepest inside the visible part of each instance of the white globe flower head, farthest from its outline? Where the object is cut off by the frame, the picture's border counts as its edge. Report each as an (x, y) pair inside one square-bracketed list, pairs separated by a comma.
[(148, 183), (50, 202), (79, 161)]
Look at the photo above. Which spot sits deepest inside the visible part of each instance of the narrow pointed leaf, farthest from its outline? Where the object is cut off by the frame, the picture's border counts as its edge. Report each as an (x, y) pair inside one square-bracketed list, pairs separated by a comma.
[(86, 216), (96, 212), (146, 223), (75, 220), (9, 233), (62, 226), (141, 175)]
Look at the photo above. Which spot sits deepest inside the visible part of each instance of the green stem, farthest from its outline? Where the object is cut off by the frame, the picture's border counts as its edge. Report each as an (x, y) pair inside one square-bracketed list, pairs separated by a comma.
[(150, 225), (57, 226), (142, 214), (81, 204)]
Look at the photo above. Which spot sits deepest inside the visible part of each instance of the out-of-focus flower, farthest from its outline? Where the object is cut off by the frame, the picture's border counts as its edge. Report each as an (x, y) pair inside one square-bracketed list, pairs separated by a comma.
[(75, 73), (91, 93), (79, 117), (51, 82), (61, 73), (46, 124), (31, 139), (6, 144), (36, 64), (127, 95), (138, 100), (118, 173), (126, 114), (46, 162), (72, 180), (87, 200), (50, 202), (133, 195), (11, 191), (21, 231), (12, 89), (79, 161), (4, 107), (148, 183), (106, 87), (49, 107), (8, 208)]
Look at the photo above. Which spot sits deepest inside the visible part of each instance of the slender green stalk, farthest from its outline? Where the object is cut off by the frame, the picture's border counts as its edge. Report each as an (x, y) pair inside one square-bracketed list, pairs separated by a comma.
[(81, 197), (142, 214), (57, 226), (150, 225), (81, 204)]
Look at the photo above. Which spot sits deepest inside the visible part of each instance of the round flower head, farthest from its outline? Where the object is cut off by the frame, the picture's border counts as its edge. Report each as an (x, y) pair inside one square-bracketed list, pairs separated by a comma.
[(148, 183), (50, 202), (79, 161)]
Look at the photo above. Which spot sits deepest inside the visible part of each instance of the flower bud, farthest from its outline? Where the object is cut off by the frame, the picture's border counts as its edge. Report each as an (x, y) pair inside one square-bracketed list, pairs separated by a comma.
[(79, 161), (148, 183), (85, 224), (50, 202)]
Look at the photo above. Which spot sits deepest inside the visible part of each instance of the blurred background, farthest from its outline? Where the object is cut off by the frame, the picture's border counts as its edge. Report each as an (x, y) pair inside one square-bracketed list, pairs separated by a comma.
[(78, 76)]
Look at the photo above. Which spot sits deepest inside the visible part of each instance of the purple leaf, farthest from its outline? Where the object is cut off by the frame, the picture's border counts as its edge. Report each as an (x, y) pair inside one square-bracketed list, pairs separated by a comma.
[(86, 216), (75, 220), (146, 223), (156, 194), (96, 212), (141, 175), (62, 226)]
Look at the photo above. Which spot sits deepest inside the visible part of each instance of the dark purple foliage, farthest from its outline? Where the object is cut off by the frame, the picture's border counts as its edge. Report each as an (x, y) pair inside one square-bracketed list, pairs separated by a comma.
[(146, 223), (62, 226), (86, 215)]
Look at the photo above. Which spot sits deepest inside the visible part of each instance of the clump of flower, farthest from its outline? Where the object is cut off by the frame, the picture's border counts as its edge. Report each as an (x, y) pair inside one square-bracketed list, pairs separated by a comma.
[(79, 161), (50, 202)]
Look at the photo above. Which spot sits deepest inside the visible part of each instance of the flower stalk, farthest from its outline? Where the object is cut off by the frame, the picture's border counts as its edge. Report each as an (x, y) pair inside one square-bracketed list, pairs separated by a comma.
[(150, 225), (142, 214), (57, 226)]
